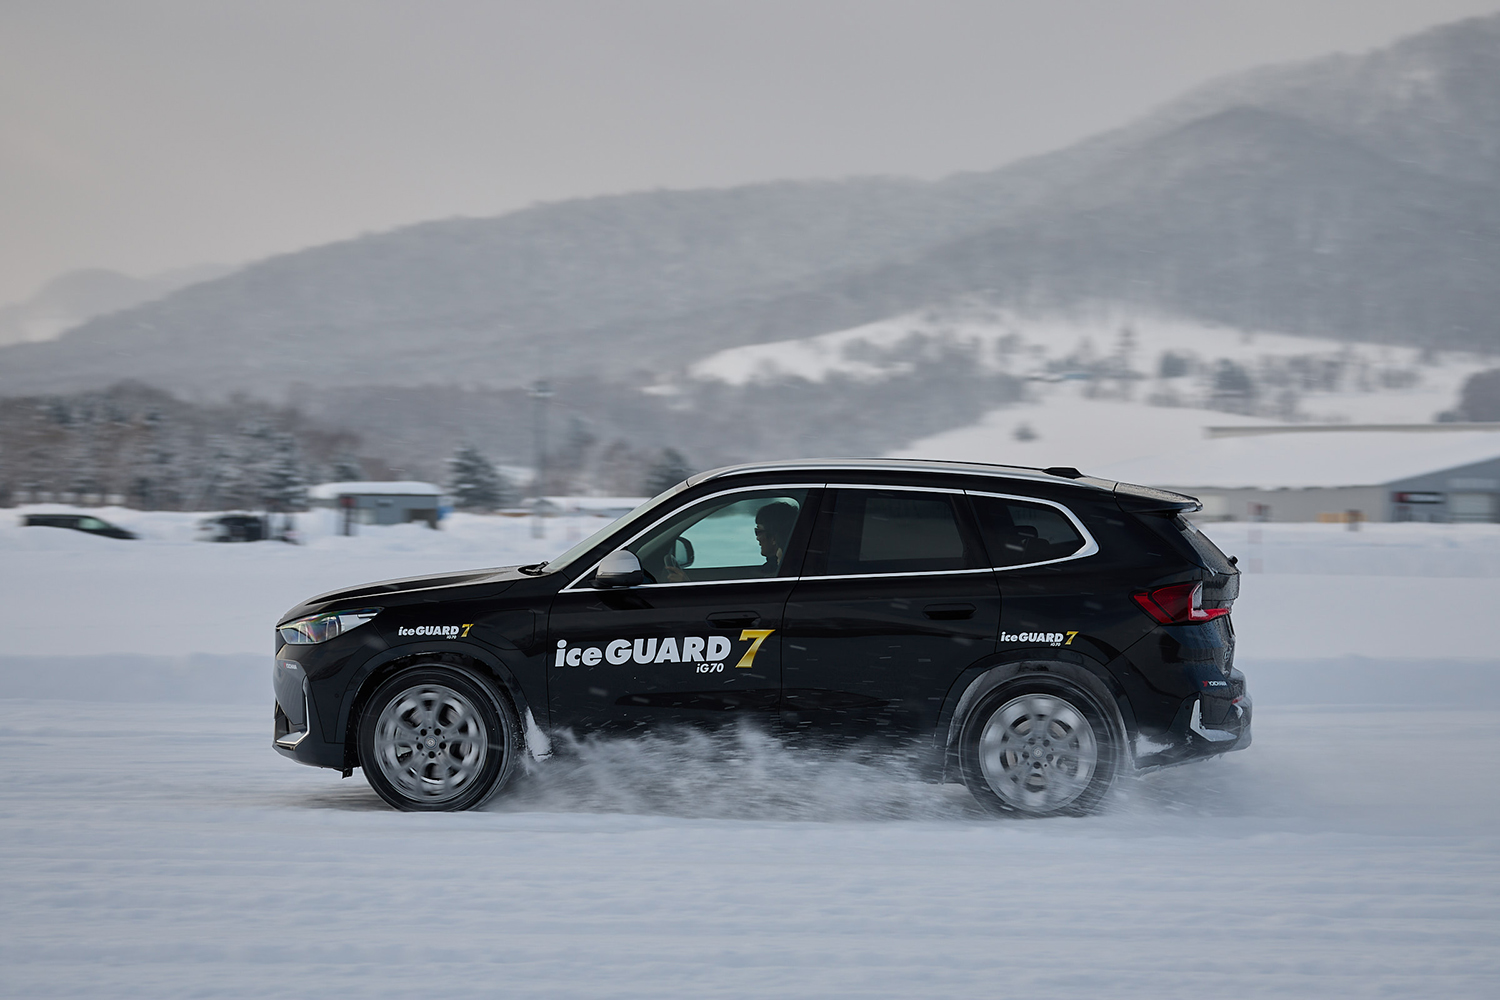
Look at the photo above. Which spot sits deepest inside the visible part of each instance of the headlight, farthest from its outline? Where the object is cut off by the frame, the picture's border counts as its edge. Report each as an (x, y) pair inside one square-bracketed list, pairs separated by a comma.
[(321, 628)]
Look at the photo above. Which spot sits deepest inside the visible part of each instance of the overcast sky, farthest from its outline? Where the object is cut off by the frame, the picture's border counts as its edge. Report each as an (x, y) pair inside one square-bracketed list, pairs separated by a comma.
[(144, 135)]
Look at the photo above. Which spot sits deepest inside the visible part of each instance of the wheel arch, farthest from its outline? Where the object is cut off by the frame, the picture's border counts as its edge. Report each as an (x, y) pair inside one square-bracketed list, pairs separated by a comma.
[(1074, 670), (489, 668)]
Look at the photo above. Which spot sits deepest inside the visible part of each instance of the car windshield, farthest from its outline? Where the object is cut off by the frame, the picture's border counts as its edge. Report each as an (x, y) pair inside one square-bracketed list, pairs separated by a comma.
[(583, 548)]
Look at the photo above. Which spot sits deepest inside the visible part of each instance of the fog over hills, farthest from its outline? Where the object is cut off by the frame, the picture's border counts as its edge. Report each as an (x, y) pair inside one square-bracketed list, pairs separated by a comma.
[(77, 296), (1353, 197)]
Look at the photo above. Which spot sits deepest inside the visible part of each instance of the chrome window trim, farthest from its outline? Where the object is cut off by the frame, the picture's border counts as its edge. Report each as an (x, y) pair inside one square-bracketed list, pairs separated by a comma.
[(885, 488), (573, 584), (881, 576), (1090, 546), (774, 579), (570, 589)]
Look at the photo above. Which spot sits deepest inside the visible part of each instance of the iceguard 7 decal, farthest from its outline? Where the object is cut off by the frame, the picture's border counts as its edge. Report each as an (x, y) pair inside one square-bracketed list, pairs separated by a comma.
[(1050, 638), (440, 631), (701, 650)]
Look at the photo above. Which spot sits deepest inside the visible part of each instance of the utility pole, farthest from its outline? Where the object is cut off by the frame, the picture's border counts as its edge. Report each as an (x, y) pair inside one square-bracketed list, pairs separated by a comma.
[(541, 391)]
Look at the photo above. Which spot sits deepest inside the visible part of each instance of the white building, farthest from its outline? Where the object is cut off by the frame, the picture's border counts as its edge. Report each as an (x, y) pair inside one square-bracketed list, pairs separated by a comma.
[(1299, 472), (382, 503)]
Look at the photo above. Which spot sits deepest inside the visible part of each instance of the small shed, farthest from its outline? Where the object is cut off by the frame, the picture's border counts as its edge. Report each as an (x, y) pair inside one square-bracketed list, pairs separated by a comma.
[(382, 503)]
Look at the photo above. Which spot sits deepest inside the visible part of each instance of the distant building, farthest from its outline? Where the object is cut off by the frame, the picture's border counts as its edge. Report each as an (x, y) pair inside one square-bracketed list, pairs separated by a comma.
[(1373, 472), (382, 503)]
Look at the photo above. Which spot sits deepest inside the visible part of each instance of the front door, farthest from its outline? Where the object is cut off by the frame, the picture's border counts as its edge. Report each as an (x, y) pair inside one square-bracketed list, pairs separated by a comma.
[(700, 639), (894, 602)]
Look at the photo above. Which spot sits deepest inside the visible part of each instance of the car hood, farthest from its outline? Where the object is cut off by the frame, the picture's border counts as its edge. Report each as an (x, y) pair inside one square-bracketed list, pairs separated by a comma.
[(409, 590)]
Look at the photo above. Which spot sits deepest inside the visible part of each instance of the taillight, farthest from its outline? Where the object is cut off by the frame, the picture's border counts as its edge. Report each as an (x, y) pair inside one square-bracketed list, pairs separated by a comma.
[(1179, 604)]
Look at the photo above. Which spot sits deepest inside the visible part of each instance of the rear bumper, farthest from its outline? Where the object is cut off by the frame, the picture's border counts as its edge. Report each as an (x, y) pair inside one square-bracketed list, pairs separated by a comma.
[(1206, 725)]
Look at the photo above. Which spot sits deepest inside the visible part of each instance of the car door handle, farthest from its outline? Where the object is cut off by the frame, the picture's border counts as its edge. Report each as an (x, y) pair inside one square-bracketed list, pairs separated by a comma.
[(948, 612), (734, 619)]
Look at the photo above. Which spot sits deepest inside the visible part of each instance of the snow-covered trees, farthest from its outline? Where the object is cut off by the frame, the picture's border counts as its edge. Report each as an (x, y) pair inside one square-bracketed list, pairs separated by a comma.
[(670, 469), (138, 445), (475, 483), (1481, 397), (346, 469)]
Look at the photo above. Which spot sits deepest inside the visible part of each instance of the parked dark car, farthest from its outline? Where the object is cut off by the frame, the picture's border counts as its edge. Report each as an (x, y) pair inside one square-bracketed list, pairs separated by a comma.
[(1032, 633), (78, 522), (232, 528)]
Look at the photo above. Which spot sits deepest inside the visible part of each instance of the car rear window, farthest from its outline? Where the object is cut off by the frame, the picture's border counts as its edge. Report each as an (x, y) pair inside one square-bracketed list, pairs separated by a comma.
[(1017, 532)]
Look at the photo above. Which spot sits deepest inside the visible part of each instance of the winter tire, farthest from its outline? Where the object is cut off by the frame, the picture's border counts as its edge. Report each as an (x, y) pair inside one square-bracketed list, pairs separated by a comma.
[(437, 738), (1039, 748)]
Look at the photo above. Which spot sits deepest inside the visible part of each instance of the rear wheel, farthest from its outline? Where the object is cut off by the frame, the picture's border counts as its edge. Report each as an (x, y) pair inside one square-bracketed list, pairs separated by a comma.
[(1040, 749), (437, 737)]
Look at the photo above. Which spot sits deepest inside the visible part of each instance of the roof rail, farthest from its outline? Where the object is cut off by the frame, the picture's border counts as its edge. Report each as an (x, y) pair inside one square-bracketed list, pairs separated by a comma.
[(891, 465)]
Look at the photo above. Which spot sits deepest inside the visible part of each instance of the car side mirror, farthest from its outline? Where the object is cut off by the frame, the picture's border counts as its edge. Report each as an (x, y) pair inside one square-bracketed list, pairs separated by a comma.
[(620, 568)]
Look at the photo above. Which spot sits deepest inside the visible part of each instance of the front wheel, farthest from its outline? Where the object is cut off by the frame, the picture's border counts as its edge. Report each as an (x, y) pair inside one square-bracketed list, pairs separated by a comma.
[(436, 738), (1040, 750)]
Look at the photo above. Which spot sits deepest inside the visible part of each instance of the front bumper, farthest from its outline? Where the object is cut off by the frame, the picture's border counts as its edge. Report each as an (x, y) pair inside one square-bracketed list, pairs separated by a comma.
[(297, 730)]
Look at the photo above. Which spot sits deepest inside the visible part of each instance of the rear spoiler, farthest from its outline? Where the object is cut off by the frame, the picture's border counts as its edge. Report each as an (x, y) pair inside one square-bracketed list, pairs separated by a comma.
[(1149, 500)]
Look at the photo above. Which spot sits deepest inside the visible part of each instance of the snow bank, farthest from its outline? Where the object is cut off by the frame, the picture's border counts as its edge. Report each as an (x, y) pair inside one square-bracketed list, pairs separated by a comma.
[(1390, 590), (167, 594)]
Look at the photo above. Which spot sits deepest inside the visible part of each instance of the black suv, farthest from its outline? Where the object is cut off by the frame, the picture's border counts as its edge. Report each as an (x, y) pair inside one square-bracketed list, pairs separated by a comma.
[(1034, 633)]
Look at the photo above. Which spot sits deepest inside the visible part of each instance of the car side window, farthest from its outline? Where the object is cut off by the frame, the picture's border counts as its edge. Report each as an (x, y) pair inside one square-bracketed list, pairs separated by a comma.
[(889, 531), (740, 537), (1017, 532)]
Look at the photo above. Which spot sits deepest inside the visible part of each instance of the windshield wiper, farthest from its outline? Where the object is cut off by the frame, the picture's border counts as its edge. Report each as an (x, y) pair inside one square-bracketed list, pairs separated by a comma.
[(535, 569)]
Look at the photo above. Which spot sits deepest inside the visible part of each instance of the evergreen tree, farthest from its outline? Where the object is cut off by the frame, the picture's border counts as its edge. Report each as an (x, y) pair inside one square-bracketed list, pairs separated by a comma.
[(475, 483), (670, 470), (283, 487), (346, 469), (1481, 397)]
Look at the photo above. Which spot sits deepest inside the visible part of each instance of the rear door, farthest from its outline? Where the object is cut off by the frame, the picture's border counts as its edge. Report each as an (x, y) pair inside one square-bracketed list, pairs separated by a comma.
[(894, 602)]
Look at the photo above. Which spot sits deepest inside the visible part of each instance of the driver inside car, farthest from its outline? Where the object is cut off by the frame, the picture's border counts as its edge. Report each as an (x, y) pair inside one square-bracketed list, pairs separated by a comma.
[(773, 530)]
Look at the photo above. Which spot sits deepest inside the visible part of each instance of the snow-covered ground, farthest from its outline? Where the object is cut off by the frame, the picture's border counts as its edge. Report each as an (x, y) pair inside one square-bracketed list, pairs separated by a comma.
[(1345, 855), (159, 848), (1062, 427)]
